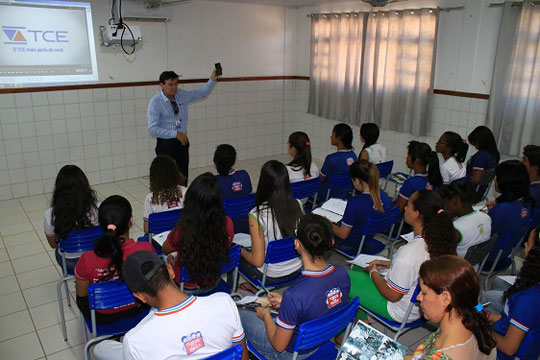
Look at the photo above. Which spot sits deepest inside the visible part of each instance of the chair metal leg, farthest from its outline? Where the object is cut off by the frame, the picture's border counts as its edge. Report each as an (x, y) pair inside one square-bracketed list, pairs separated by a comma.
[(92, 342), (61, 307), (68, 297), (83, 326)]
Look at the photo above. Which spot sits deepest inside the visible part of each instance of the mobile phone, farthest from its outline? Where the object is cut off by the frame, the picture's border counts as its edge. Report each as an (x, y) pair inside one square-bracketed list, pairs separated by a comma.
[(219, 70)]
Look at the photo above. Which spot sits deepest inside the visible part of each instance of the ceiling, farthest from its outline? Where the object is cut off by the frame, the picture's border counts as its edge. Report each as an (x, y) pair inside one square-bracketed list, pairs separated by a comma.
[(291, 3)]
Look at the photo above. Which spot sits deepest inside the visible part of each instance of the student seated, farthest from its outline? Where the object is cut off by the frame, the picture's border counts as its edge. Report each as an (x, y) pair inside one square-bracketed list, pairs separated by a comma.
[(486, 158), (449, 290), (453, 149), (74, 206), (370, 200), (301, 166), (434, 236), (104, 263), (513, 207), (338, 162), (179, 326), (322, 289), (517, 308), (425, 165), (371, 151), (166, 191), (233, 183), (201, 239), (473, 226), (531, 159), (275, 216)]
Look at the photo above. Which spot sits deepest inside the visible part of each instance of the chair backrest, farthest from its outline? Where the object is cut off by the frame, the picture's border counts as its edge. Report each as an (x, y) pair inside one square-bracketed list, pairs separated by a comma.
[(487, 177), (340, 181), (234, 262), (109, 294), (232, 353), (530, 346), (510, 239), (79, 241), (280, 250), (379, 222), (238, 209), (163, 221), (315, 332), (306, 188), (477, 253), (385, 168)]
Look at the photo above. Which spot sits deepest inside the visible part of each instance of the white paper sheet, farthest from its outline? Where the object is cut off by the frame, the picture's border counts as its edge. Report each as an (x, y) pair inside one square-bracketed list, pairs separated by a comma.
[(161, 237), (480, 206), (335, 205), (246, 300), (333, 217), (511, 279), (363, 260), (242, 239)]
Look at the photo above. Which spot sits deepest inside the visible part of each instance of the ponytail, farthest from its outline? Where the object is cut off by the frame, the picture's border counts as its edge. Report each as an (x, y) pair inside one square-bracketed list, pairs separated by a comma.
[(421, 151), (315, 234), (457, 144), (434, 172), (300, 141), (370, 133), (114, 215), (368, 173)]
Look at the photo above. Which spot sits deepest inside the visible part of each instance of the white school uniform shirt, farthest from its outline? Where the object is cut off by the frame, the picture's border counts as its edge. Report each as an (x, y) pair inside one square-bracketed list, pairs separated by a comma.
[(150, 208), (403, 277), (194, 329), (452, 170), (376, 153), (474, 228), (297, 174), (271, 232)]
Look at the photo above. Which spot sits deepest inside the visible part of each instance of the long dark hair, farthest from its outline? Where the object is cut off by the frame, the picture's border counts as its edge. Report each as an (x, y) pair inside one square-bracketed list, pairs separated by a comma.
[(345, 134), (482, 138), (201, 230), (512, 181), (165, 180), (315, 234), (224, 159), (421, 151), (457, 145), (439, 233), (529, 275), (274, 192), (300, 141), (114, 217), (368, 173), (72, 201), (370, 133), (456, 276), (462, 190)]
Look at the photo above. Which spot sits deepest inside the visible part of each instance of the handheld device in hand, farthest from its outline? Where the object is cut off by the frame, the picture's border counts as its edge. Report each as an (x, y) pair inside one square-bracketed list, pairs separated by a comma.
[(219, 70)]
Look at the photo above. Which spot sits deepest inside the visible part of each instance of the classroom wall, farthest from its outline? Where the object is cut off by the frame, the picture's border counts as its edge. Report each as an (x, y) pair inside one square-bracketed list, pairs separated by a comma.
[(104, 131)]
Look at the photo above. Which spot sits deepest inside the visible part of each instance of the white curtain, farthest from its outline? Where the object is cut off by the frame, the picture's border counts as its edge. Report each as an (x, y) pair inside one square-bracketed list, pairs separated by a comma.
[(514, 105), (374, 67)]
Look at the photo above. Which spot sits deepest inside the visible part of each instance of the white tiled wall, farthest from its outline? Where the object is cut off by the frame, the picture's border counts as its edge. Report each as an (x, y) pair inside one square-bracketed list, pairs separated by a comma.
[(450, 113), (104, 131)]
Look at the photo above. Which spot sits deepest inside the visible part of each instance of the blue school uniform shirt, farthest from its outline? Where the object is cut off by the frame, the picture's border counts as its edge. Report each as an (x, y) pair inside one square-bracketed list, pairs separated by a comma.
[(534, 191), (522, 311), (482, 160), (314, 294), (234, 185), (413, 184), (338, 162)]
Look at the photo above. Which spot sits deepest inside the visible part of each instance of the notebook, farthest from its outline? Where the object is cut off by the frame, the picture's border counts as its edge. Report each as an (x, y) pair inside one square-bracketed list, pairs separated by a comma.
[(365, 342), (161, 237), (363, 260), (333, 209), (242, 239)]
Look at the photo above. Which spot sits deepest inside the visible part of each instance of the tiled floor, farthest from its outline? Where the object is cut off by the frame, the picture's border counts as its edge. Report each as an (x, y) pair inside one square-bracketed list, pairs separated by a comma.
[(29, 318)]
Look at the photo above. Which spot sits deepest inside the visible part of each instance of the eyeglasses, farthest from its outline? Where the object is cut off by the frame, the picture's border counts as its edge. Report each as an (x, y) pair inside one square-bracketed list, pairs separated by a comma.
[(175, 107)]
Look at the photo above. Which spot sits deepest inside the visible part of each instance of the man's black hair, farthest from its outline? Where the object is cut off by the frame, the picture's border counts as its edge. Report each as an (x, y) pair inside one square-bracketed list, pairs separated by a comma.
[(166, 75)]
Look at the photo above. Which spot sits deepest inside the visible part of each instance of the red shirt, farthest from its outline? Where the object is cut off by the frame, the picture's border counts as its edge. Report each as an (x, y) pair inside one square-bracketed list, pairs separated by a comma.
[(174, 245), (91, 267)]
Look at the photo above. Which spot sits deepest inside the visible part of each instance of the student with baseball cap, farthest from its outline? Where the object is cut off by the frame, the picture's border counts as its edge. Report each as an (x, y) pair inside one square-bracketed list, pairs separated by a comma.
[(179, 326)]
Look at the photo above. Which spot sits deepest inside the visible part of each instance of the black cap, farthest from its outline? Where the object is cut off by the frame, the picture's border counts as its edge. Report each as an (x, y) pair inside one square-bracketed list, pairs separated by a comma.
[(132, 269)]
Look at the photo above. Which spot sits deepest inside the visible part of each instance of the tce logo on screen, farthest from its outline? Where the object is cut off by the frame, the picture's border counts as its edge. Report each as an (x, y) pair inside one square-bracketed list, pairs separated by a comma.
[(16, 36)]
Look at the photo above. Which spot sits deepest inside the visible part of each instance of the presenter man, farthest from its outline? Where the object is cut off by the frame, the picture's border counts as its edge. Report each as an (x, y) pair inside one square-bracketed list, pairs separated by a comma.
[(168, 116)]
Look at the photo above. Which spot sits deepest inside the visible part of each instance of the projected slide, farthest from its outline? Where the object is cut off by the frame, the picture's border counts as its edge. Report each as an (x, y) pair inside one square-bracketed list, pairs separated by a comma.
[(46, 42)]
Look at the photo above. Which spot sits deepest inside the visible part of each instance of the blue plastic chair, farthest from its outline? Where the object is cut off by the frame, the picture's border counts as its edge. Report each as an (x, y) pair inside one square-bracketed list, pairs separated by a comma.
[(76, 243), (160, 222), (108, 295), (400, 327), (232, 353), (385, 170), (375, 224), (318, 332), (232, 265), (339, 185), (502, 254), (238, 209), (277, 251), (530, 346), (306, 189), (486, 180)]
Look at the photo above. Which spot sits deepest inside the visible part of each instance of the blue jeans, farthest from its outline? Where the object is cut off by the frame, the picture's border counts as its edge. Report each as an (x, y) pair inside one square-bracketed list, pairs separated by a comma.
[(70, 263), (256, 336), (253, 272)]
